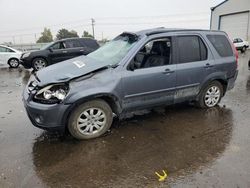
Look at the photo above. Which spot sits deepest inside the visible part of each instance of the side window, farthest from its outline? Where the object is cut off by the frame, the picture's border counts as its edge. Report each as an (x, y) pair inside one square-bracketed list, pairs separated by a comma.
[(203, 50), (240, 40), (55, 46), (191, 49), (221, 45), (58, 46), (9, 50), (2, 49), (89, 43), (235, 41), (72, 44), (152, 54)]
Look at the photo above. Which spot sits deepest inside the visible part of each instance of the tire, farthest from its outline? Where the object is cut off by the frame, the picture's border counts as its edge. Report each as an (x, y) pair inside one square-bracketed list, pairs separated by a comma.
[(213, 87), (39, 63), (13, 62), (82, 125), (243, 49)]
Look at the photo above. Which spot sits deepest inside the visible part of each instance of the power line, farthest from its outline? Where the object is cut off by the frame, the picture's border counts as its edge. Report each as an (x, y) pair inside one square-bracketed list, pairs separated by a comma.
[(103, 18), (112, 24)]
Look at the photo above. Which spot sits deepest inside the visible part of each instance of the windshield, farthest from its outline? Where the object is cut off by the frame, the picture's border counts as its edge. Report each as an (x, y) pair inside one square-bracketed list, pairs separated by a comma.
[(114, 51)]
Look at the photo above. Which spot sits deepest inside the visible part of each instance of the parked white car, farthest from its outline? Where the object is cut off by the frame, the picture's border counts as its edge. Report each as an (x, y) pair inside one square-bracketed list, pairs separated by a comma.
[(9, 56), (240, 44)]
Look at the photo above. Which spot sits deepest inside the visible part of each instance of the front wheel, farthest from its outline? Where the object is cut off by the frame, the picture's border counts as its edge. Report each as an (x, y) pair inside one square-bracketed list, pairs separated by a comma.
[(39, 63), (211, 95), (90, 120)]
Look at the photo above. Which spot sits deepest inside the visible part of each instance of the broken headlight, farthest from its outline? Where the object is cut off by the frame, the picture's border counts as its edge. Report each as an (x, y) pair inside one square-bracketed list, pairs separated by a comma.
[(52, 93)]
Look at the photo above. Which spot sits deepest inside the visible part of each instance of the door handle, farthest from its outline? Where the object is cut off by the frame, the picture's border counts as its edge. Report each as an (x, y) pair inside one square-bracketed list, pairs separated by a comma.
[(81, 50), (208, 65), (168, 71), (64, 51)]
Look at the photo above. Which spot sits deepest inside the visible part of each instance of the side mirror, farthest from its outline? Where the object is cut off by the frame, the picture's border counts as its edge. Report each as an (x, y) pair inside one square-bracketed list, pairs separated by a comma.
[(51, 49)]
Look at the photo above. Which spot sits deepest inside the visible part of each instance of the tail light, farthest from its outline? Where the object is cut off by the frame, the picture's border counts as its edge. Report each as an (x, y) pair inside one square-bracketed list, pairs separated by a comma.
[(235, 53)]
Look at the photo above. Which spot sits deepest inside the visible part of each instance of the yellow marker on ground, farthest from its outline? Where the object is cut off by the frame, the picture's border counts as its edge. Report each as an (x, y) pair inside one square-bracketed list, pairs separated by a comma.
[(162, 178)]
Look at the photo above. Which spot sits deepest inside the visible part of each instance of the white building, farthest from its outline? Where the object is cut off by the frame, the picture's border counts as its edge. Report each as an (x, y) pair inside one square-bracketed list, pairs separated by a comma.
[(233, 17)]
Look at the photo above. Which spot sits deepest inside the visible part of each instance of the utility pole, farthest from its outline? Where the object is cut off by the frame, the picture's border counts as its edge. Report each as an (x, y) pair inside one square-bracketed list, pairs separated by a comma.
[(13, 39), (93, 26)]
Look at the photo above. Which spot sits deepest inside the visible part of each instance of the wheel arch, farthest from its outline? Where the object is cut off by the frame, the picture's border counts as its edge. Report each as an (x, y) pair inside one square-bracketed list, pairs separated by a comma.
[(221, 79), (40, 56), (111, 99), (13, 58)]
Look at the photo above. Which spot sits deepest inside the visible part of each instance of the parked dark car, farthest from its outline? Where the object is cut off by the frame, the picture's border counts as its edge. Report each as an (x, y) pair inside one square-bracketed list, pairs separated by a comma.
[(58, 51), (134, 71)]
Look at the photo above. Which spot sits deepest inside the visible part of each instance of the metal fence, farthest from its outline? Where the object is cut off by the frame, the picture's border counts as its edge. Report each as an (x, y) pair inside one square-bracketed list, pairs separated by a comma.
[(28, 47), (35, 46)]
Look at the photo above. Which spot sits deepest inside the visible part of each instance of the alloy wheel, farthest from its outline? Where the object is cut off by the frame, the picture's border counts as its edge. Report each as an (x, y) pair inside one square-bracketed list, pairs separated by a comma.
[(212, 96), (14, 63), (91, 121), (39, 64)]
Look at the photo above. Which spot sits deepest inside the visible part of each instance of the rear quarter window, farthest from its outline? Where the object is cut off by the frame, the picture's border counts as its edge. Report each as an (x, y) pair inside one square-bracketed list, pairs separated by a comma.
[(221, 45)]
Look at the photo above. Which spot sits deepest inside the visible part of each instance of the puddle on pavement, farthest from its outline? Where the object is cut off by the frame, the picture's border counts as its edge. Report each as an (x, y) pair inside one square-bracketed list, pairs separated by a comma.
[(19, 76), (175, 139)]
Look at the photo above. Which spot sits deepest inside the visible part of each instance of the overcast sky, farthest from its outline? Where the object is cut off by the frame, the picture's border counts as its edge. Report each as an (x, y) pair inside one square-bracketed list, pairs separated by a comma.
[(24, 20)]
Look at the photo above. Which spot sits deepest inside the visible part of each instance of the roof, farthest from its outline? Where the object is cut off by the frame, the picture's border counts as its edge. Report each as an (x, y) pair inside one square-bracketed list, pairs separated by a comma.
[(212, 8)]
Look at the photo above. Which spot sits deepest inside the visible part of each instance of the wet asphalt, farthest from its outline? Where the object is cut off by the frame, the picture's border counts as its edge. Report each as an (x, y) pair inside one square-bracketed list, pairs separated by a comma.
[(196, 147)]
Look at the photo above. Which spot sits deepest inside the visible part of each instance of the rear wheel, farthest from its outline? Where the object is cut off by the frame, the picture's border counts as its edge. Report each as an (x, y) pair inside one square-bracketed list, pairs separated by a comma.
[(39, 63), (211, 95), (13, 62), (243, 49), (90, 120)]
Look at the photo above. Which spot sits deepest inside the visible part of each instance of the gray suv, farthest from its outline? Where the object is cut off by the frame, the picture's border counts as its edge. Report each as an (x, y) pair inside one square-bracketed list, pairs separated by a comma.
[(134, 71)]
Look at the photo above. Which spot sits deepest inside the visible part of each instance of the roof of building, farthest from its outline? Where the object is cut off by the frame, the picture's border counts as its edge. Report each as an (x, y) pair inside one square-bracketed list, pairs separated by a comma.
[(212, 8)]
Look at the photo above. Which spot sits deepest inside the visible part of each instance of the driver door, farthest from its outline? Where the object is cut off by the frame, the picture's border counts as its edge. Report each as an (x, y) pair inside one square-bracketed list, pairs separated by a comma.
[(4, 54), (150, 86)]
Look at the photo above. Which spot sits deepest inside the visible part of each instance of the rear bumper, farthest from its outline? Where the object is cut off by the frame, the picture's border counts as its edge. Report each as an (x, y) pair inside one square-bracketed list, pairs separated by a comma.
[(241, 47), (231, 81)]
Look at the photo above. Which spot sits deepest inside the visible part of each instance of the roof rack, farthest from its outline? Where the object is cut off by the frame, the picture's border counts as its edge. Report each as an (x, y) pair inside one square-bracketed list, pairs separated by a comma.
[(164, 30)]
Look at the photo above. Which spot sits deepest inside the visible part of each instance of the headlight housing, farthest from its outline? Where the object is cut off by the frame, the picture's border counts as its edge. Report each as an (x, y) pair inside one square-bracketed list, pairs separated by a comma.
[(52, 94), (27, 54)]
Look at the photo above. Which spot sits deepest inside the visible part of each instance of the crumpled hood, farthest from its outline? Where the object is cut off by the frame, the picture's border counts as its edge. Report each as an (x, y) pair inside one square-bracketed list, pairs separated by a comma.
[(67, 70)]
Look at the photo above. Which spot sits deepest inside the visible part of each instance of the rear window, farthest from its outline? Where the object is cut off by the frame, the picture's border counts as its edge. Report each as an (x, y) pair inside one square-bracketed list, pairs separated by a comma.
[(191, 49), (221, 45), (91, 43)]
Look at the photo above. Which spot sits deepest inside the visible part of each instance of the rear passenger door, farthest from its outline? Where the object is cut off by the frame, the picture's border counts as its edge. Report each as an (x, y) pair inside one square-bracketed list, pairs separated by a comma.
[(88, 45), (74, 48), (194, 64)]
